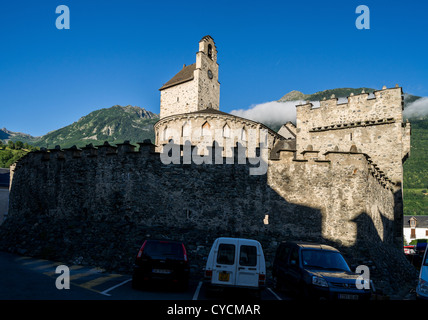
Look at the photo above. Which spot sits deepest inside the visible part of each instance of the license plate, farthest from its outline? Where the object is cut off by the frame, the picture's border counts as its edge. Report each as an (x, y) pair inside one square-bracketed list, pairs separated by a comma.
[(223, 276), (162, 271), (348, 296)]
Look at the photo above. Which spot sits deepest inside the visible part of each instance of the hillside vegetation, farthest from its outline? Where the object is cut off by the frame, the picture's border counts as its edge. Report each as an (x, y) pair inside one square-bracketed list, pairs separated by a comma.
[(12, 152), (115, 125), (415, 184)]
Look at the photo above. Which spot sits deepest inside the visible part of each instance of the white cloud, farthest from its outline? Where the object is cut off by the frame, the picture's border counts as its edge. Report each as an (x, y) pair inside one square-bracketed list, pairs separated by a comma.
[(274, 112), (417, 108)]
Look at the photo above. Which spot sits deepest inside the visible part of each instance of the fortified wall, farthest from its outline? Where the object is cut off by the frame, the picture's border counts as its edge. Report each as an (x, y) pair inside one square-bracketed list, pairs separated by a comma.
[(96, 205)]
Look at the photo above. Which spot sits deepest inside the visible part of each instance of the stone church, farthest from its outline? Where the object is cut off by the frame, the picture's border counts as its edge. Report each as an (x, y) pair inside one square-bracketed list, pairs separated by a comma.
[(189, 108)]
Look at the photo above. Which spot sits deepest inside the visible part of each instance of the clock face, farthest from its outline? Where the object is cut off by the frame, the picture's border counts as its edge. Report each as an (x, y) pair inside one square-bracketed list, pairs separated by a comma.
[(210, 74)]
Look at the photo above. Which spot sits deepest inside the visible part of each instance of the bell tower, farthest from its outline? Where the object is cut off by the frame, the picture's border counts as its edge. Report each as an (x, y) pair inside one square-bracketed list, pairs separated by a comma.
[(207, 75), (195, 87)]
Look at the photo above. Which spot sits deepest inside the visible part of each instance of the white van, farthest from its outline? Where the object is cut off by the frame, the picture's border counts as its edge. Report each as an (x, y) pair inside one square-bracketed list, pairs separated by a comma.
[(422, 288), (236, 262)]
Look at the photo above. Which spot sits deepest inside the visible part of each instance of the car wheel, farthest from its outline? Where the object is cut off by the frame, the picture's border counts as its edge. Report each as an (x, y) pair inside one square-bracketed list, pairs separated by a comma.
[(137, 282)]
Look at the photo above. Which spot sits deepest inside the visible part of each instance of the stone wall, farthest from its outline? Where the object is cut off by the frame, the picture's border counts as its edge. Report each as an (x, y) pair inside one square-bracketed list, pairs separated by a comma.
[(373, 125), (97, 205), (178, 99)]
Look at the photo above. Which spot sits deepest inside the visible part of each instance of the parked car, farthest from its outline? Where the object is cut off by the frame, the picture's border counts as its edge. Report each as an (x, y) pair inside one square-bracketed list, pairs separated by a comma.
[(422, 287), (420, 247), (236, 262), (409, 250), (315, 271), (161, 260)]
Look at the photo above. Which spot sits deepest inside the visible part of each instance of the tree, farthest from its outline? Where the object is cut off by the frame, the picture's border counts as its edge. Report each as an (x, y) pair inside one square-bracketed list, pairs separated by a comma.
[(19, 145), (10, 144)]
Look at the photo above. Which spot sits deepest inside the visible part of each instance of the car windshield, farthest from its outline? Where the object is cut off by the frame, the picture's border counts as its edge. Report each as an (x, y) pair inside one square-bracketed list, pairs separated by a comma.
[(324, 259), (163, 250)]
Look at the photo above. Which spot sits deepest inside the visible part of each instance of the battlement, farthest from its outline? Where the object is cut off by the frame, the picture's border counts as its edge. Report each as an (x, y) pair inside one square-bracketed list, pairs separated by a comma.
[(284, 153), (385, 104), (315, 157), (372, 122)]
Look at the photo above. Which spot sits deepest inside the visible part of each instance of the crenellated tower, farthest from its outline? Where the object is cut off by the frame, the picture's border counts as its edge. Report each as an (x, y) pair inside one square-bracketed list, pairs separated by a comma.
[(370, 124)]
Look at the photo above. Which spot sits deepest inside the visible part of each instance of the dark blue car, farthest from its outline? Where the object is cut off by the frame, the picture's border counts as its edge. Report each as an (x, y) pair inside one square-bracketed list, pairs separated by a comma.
[(316, 271)]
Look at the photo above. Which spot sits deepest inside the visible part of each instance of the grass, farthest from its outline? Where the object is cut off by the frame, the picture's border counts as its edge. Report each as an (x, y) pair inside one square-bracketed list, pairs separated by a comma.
[(415, 202)]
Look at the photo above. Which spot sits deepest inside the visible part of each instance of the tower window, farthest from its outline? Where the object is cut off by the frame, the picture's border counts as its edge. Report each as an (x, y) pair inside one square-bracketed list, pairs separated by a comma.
[(210, 51)]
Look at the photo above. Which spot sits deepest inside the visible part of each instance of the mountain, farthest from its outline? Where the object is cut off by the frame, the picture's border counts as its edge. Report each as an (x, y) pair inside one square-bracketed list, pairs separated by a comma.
[(16, 136), (115, 125)]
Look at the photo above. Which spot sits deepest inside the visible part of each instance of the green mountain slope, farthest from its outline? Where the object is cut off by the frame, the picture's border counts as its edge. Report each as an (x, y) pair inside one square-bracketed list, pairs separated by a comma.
[(415, 184), (115, 125)]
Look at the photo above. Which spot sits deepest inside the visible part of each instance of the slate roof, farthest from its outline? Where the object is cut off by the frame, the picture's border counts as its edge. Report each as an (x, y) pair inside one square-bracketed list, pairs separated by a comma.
[(421, 221), (184, 75)]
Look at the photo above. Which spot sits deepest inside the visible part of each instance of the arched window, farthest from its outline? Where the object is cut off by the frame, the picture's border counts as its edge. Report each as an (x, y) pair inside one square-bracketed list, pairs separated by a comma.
[(226, 131), (165, 134), (186, 130), (206, 129), (243, 134), (210, 51)]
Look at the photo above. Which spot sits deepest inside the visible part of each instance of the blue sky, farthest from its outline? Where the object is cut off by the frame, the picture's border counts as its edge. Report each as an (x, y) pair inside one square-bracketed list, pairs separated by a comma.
[(121, 52)]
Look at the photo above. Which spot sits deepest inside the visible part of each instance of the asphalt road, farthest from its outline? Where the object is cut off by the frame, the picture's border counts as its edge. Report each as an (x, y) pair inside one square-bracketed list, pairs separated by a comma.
[(26, 278), (4, 202)]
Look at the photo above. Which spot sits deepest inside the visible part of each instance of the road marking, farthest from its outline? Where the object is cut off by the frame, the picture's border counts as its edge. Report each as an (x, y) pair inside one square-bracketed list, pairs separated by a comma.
[(195, 296), (276, 296), (35, 261), (23, 258), (45, 266), (98, 281), (80, 275), (114, 287), (75, 267), (93, 271)]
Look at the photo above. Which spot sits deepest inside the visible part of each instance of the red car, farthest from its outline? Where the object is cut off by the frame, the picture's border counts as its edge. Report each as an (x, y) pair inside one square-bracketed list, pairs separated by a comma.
[(409, 250)]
